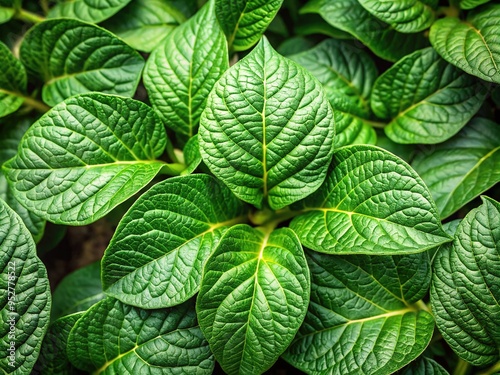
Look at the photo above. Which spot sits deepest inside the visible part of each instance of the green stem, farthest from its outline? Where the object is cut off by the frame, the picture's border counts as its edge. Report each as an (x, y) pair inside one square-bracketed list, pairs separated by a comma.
[(26, 16), (172, 169), (492, 370), (171, 152), (462, 367), (35, 104), (452, 11), (44, 4), (267, 216)]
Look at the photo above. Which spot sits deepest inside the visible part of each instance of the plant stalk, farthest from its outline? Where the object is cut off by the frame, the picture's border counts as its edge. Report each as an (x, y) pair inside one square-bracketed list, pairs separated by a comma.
[(462, 367), (35, 104), (172, 169), (27, 16)]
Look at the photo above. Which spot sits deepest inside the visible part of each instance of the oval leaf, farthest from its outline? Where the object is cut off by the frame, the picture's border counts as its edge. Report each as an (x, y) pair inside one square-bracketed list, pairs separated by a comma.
[(362, 318), (85, 156), (465, 292), (460, 169), (253, 298), (181, 72), (13, 82), (93, 11), (471, 45), (267, 131), (25, 303), (424, 366), (372, 202), (426, 99), (156, 257), (73, 57), (114, 338), (192, 155)]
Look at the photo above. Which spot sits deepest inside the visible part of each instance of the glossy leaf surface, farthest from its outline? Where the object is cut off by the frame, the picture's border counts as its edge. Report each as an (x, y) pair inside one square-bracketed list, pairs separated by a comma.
[(469, 4), (93, 11), (13, 82), (192, 155)]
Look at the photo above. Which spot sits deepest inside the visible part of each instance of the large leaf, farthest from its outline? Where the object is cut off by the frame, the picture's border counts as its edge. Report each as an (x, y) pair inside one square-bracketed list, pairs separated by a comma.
[(253, 297), (85, 156), (73, 57), (363, 317), (25, 298), (13, 81), (372, 202), (426, 99), (469, 4), (87, 10), (460, 169), (424, 366), (114, 338), (471, 45), (465, 291), (380, 37), (406, 16), (156, 257), (181, 72), (267, 131), (244, 21)]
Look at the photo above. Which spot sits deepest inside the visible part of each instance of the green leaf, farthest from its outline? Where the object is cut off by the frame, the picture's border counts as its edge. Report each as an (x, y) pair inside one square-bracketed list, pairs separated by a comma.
[(362, 318), (93, 11), (73, 57), (253, 297), (469, 4), (404, 151), (143, 24), (309, 24), (460, 169), (192, 155), (471, 45), (424, 366), (244, 21), (406, 16), (268, 129), (180, 73), (381, 38), (426, 99), (6, 14), (13, 81), (114, 338), (352, 129), (77, 291), (464, 290), (372, 202), (85, 156), (156, 257), (25, 301)]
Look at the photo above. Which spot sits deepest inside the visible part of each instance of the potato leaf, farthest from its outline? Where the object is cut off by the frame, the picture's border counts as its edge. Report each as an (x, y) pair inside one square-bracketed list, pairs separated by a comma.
[(424, 366), (13, 82), (87, 10)]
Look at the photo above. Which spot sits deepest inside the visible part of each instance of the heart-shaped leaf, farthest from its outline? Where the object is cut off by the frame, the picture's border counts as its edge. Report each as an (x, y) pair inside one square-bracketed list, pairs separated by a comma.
[(253, 297), (426, 99), (181, 71), (74, 57), (156, 257), (93, 11), (85, 156), (267, 131), (471, 45), (372, 202), (424, 366), (114, 338), (460, 169), (13, 82), (25, 301), (464, 292), (363, 317)]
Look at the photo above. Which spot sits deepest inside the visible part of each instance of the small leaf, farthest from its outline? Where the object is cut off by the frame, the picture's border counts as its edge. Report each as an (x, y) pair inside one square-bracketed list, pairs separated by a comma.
[(13, 81), (93, 11), (156, 257), (192, 155), (465, 287), (362, 318), (352, 129), (73, 57), (85, 156), (469, 4), (6, 14), (471, 45), (424, 366), (244, 21), (372, 202), (267, 131), (253, 298), (181, 71), (25, 301), (114, 338), (460, 169), (426, 99)]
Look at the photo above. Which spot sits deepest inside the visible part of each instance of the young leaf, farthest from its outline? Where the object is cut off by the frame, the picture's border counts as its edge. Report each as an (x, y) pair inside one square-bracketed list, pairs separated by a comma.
[(180, 72), (244, 21), (465, 291), (73, 57), (6, 14), (381, 38), (114, 338), (424, 366), (156, 257), (253, 297), (426, 99), (93, 11), (460, 169), (362, 318), (471, 45), (13, 82), (372, 202), (192, 155), (85, 156), (267, 131), (25, 302)]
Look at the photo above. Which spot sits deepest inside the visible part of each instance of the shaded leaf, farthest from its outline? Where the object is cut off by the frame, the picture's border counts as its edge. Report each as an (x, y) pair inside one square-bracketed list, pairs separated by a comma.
[(93, 11), (13, 81), (192, 155), (424, 366), (469, 4)]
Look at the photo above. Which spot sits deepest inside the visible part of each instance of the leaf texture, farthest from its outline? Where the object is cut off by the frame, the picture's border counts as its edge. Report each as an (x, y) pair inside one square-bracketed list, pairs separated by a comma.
[(93, 11), (13, 82), (424, 366), (469, 4)]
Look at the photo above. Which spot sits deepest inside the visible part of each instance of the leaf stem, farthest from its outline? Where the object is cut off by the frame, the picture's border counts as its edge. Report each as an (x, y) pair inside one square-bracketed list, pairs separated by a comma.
[(267, 216), (35, 104), (171, 152), (461, 368), (27, 16), (492, 370), (172, 169)]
